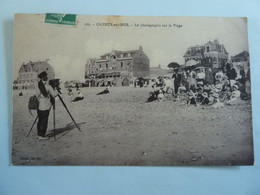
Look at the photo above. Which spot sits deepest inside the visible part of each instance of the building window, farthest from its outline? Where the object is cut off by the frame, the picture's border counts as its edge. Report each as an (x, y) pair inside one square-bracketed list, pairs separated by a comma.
[(207, 48), (99, 65), (121, 64), (113, 57), (106, 66)]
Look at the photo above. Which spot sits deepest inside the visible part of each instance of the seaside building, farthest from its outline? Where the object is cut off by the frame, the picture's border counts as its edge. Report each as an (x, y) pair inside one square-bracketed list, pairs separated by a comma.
[(241, 60), (211, 54), (28, 74), (117, 68), (241, 57)]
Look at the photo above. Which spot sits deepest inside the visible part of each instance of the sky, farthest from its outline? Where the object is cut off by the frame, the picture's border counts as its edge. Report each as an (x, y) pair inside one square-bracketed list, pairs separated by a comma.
[(164, 39)]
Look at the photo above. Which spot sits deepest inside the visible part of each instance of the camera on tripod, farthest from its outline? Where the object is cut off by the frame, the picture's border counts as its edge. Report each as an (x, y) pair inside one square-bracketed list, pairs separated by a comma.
[(55, 83)]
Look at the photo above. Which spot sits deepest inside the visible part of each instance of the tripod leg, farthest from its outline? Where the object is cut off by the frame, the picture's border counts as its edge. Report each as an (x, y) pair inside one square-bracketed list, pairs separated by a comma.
[(68, 112), (32, 126), (73, 119)]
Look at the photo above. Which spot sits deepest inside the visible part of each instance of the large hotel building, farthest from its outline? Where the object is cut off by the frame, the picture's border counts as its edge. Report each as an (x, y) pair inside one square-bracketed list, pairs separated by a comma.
[(117, 68)]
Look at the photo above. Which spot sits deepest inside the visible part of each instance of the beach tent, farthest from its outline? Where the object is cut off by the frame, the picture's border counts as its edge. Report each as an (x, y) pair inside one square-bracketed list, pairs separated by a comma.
[(125, 82)]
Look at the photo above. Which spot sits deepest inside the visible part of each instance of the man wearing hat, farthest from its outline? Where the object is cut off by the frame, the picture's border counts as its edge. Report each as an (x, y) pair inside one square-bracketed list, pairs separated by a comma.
[(177, 80), (231, 74), (45, 92)]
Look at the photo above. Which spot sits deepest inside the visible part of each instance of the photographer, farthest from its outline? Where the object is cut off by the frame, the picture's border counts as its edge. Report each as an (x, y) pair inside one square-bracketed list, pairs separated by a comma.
[(45, 92)]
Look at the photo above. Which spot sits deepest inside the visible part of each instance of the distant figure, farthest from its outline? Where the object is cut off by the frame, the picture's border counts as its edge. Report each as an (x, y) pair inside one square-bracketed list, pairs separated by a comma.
[(160, 96), (168, 88), (217, 103), (21, 93), (181, 92), (191, 99), (70, 91), (235, 96), (209, 76), (103, 92), (200, 76), (77, 86), (177, 80), (141, 83), (248, 84), (153, 97), (231, 74), (205, 100), (218, 76), (135, 83), (199, 97), (192, 80), (78, 97)]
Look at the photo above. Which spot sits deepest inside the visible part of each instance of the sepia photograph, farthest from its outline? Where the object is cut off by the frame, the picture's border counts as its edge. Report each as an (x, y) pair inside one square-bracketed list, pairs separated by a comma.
[(131, 91)]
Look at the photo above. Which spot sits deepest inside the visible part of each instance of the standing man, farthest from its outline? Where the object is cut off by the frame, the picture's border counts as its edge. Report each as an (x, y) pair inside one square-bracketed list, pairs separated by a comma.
[(177, 80), (200, 76), (44, 91), (231, 74)]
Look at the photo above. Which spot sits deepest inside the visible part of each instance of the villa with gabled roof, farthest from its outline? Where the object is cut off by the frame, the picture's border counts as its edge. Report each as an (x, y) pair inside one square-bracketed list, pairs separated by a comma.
[(211, 54), (27, 75)]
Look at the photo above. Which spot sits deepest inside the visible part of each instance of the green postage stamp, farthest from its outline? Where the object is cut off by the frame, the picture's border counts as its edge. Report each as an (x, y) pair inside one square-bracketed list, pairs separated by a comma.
[(61, 19)]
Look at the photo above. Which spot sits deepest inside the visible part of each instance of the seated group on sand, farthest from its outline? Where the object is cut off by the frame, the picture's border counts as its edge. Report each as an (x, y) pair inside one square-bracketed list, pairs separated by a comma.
[(224, 86)]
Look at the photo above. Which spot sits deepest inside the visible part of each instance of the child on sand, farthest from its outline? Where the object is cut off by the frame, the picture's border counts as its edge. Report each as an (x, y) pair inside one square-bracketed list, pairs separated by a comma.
[(160, 96), (191, 99)]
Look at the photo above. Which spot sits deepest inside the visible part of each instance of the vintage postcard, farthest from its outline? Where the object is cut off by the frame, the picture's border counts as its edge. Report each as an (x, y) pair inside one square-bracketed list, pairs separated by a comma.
[(131, 91)]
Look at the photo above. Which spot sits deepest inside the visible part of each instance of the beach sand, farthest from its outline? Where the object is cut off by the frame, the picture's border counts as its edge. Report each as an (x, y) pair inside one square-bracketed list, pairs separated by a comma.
[(119, 128)]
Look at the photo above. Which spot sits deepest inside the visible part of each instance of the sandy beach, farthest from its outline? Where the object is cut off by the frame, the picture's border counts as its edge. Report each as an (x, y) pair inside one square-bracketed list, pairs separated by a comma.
[(119, 128)]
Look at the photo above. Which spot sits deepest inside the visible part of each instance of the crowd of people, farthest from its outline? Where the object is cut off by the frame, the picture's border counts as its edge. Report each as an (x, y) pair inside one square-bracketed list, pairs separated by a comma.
[(204, 86)]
